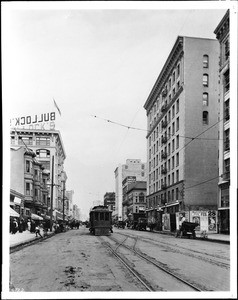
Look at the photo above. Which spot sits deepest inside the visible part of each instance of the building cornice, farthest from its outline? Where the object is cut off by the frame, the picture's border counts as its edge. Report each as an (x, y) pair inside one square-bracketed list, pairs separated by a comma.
[(172, 59), (41, 132), (168, 107), (223, 27)]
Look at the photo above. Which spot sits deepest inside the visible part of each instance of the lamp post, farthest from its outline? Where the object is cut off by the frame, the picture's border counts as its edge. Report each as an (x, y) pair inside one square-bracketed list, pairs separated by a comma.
[(63, 199), (51, 202)]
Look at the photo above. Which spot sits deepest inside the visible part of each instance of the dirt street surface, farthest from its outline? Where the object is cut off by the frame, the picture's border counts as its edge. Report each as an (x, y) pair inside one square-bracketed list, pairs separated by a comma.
[(71, 261), (78, 261)]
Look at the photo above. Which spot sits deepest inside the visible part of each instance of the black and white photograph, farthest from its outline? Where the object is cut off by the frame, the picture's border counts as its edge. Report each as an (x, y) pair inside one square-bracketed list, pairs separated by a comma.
[(119, 129)]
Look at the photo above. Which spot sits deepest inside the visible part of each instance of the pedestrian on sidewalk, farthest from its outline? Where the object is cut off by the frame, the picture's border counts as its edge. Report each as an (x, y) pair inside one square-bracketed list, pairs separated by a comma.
[(29, 225), (15, 226), (33, 226), (21, 226), (37, 231)]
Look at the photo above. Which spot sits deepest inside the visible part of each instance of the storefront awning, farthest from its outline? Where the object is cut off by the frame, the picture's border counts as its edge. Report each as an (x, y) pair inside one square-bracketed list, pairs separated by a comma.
[(17, 200), (13, 213), (36, 217), (171, 204)]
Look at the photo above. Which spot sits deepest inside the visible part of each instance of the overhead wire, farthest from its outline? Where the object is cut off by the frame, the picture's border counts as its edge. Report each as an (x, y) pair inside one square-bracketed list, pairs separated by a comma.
[(146, 130)]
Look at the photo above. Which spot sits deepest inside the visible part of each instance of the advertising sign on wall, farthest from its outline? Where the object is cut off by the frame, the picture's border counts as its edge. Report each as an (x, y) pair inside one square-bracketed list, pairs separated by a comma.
[(45, 121), (166, 222), (207, 220)]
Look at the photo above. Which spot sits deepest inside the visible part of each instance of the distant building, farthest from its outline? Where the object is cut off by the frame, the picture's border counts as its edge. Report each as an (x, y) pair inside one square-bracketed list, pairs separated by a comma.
[(46, 144), (182, 140), (133, 167), (109, 200), (135, 199), (76, 212), (223, 35), (69, 199)]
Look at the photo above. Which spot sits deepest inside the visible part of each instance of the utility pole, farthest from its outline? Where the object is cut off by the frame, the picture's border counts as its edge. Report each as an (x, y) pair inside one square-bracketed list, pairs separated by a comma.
[(51, 202), (63, 198)]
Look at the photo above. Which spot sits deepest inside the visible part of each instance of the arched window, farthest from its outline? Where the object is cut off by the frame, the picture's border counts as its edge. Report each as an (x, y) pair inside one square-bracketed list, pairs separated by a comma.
[(205, 118), (205, 99), (205, 61), (205, 79), (43, 153)]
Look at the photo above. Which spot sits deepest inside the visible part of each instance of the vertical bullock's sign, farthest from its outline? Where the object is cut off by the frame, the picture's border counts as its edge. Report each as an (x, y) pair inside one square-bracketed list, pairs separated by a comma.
[(45, 121)]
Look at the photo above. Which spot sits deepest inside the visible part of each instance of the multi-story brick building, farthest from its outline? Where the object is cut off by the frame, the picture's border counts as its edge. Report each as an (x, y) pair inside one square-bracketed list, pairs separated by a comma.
[(47, 147), (222, 32), (182, 140), (109, 200), (133, 167), (135, 199), (28, 183)]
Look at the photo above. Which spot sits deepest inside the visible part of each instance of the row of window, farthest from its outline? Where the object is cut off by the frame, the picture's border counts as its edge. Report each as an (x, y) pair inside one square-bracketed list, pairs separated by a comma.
[(163, 198), (164, 182), (164, 123), (38, 194), (164, 154), (170, 86), (43, 141)]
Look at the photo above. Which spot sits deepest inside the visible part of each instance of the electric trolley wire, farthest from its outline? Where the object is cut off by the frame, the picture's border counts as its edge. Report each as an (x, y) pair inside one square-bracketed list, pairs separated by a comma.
[(186, 137)]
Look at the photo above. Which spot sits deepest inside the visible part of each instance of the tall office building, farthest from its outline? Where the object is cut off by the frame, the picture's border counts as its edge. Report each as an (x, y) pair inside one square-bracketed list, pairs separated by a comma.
[(223, 35), (133, 167), (182, 139)]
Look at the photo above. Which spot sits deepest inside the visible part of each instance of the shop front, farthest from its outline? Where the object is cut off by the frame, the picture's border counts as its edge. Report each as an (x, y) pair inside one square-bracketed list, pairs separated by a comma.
[(207, 220), (224, 220)]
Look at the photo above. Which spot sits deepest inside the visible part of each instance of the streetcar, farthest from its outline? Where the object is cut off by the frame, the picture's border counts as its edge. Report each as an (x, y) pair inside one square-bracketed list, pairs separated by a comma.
[(100, 219)]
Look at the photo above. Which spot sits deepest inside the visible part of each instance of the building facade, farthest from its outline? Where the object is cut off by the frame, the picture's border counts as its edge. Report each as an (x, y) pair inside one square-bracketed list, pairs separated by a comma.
[(133, 167), (109, 200), (223, 36), (69, 198), (182, 139), (135, 199), (47, 148), (28, 182)]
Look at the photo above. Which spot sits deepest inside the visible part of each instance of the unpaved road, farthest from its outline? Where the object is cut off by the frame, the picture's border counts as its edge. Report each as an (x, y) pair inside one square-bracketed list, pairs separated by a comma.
[(77, 261)]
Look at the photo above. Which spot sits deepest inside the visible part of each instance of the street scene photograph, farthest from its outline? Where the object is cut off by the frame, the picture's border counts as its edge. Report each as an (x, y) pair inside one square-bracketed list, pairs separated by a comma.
[(118, 136)]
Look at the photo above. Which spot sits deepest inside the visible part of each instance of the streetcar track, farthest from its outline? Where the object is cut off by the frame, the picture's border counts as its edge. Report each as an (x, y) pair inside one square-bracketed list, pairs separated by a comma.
[(123, 261), (208, 259), (155, 263)]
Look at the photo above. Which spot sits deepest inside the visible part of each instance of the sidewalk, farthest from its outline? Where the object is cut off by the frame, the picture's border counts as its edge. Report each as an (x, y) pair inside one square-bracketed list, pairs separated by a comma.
[(26, 237), (212, 237)]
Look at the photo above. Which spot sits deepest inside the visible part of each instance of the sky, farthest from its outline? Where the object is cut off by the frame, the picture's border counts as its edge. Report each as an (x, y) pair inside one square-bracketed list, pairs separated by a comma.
[(99, 63)]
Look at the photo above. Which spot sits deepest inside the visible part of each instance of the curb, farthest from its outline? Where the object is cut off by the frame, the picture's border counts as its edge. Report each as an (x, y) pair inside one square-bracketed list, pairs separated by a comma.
[(197, 238), (20, 245)]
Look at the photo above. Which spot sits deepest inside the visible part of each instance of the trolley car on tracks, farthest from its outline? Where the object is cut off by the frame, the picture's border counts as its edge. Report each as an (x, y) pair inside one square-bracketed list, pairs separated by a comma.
[(100, 218)]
